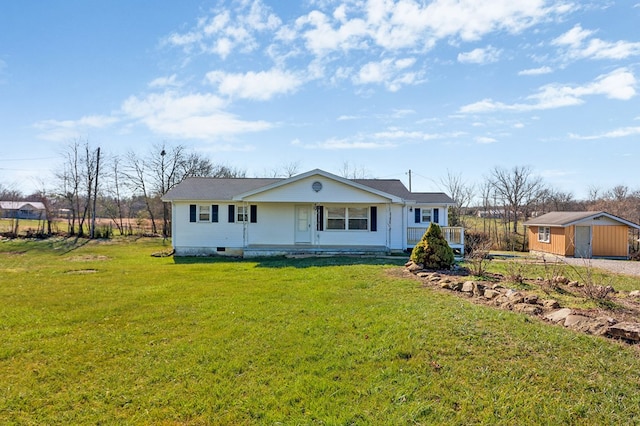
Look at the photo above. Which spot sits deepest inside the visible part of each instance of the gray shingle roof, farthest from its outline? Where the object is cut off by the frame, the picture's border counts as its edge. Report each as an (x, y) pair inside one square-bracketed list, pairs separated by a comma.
[(219, 189), (225, 189)]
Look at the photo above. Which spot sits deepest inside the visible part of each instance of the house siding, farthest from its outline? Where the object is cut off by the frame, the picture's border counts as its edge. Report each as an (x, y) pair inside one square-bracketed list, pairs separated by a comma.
[(559, 242), (190, 238), (610, 241)]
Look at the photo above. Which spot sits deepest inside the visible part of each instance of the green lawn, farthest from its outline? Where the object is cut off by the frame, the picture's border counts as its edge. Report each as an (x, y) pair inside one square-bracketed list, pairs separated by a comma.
[(103, 333)]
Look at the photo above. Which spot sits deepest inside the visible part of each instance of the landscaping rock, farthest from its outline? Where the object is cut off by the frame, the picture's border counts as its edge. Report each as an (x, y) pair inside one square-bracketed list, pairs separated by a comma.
[(491, 294), (531, 299), (467, 287), (550, 304), (478, 289), (634, 293), (526, 308), (514, 297), (446, 285), (625, 330), (560, 280), (423, 274), (414, 267), (586, 324), (559, 315)]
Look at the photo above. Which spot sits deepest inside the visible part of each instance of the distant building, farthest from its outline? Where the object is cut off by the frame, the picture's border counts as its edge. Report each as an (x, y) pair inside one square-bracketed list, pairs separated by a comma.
[(23, 210)]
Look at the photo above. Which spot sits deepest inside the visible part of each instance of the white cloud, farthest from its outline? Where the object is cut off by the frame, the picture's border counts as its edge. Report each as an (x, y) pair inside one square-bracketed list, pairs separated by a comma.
[(619, 84), (262, 85), (343, 144), (162, 82), (228, 30), (574, 37), (415, 135), (191, 116), (61, 130), (480, 56), (390, 72), (579, 46), (536, 71), (617, 133), (485, 140)]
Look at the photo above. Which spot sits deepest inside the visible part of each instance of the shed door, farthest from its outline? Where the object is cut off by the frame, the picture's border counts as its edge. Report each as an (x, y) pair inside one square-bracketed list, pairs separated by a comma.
[(583, 242), (303, 224)]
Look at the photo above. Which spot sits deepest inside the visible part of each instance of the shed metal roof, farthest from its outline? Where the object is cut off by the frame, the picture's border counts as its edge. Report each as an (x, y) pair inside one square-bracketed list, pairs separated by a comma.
[(564, 219)]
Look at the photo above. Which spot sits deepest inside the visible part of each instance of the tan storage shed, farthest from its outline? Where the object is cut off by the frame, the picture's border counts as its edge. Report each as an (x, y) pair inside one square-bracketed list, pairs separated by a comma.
[(580, 234)]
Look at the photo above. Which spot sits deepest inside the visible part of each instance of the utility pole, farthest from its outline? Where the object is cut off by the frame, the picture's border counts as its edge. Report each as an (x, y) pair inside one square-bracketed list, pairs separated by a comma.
[(409, 180)]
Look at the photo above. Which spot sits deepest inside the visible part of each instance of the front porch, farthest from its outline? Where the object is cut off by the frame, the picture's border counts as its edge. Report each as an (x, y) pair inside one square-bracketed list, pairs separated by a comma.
[(265, 250), (453, 234)]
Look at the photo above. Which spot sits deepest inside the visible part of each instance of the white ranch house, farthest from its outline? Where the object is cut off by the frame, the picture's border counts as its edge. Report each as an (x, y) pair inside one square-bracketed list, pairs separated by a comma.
[(312, 213)]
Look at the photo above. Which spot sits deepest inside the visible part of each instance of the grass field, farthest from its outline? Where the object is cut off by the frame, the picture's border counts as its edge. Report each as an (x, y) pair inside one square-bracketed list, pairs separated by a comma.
[(103, 333)]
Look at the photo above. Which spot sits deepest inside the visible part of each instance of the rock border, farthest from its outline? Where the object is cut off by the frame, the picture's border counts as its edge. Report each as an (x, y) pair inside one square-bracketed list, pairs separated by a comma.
[(548, 310)]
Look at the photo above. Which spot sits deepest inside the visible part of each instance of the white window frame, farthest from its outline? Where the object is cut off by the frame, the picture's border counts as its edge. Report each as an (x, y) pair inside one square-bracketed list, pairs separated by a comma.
[(346, 214), (544, 234), (422, 215), (242, 213), (204, 211)]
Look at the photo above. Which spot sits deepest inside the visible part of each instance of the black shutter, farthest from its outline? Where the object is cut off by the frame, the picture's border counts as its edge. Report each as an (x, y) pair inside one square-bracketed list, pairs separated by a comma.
[(320, 218), (253, 213), (193, 215), (374, 218), (436, 215), (232, 213), (417, 217), (214, 213)]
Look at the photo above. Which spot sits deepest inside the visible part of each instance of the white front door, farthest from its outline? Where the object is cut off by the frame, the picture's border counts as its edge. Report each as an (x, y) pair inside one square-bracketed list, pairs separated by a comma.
[(303, 225), (583, 242)]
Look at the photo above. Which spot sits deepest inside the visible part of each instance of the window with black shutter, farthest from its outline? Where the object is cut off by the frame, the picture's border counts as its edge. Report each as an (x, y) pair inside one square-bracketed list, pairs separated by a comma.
[(214, 213), (253, 213), (193, 213), (436, 215), (417, 218), (232, 213)]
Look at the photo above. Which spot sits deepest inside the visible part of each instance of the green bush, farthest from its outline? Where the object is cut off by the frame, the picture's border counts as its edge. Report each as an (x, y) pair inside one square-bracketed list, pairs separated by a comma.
[(433, 251)]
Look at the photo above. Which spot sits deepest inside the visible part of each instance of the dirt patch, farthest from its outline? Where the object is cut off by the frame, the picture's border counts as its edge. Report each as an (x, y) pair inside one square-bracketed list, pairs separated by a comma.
[(88, 258), (82, 271)]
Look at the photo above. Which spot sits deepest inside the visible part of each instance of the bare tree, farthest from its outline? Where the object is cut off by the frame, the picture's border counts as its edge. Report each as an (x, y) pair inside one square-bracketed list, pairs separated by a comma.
[(349, 171), (112, 202), (462, 194), (517, 188), (138, 180)]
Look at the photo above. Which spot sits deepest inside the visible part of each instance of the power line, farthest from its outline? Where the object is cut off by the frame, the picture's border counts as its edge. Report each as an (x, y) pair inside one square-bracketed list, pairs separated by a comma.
[(28, 159)]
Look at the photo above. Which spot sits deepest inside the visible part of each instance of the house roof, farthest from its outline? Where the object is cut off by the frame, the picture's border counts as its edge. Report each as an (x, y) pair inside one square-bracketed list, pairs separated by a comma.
[(221, 189), (17, 205), (228, 189), (564, 219)]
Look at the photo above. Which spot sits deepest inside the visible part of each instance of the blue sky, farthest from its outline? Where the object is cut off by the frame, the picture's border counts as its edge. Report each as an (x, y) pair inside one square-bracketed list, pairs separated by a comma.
[(457, 86)]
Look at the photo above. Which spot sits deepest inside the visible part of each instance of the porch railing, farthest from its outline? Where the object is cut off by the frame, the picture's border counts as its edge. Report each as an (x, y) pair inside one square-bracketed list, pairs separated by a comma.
[(453, 234)]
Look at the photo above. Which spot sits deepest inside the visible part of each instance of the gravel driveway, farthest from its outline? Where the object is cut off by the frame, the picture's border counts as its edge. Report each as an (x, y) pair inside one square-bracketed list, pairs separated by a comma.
[(627, 267)]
